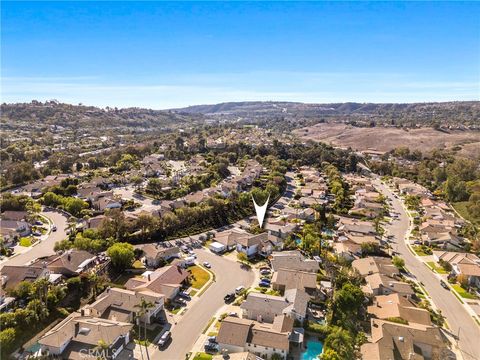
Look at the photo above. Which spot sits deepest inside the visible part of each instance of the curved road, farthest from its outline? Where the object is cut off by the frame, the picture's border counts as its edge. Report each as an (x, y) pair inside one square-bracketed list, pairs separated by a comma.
[(459, 320), (45, 247), (228, 275)]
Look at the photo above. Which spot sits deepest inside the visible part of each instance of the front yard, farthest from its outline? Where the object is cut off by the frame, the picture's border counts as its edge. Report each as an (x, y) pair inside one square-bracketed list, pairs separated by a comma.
[(463, 293), (421, 250), (436, 268), (25, 241), (199, 276), (202, 356)]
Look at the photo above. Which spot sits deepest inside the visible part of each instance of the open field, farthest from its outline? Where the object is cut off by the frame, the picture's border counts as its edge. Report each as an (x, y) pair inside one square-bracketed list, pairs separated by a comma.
[(385, 139)]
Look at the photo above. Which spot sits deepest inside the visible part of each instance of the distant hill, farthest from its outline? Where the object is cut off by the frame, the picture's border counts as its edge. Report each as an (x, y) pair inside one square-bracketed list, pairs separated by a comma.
[(445, 113), (66, 115)]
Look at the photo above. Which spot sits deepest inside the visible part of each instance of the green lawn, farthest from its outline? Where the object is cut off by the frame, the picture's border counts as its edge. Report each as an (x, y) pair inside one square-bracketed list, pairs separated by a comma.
[(138, 265), (199, 276), (437, 268), (419, 251), (462, 292), (25, 241), (202, 356)]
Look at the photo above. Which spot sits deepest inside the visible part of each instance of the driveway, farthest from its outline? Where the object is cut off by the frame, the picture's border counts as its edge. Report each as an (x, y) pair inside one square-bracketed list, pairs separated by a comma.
[(44, 247), (229, 275), (460, 322)]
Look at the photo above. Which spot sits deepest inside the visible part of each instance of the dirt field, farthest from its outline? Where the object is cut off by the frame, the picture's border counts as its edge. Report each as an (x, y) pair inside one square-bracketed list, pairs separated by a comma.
[(385, 139)]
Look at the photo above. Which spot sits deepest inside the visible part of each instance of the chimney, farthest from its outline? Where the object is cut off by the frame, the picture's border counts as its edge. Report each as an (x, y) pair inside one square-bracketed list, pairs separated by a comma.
[(148, 276)]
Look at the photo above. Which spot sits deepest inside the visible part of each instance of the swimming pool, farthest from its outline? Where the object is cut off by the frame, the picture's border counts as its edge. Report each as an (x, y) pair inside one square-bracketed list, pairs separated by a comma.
[(313, 349)]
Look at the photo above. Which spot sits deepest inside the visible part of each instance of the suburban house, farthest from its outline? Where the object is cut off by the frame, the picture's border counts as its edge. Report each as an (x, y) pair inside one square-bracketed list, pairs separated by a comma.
[(156, 255), (394, 306), (239, 335), (167, 280), (398, 341), (12, 275), (229, 238), (350, 246), (13, 229), (123, 305), (70, 263), (286, 279), (250, 245), (15, 215), (77, 335), (293, 260), (95, 222), (441, 237), (106, 203), (375, 265), (462, 263), (264, 308), (379, 284)]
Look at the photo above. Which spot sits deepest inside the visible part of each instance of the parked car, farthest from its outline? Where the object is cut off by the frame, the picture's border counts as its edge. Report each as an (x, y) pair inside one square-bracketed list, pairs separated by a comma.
[(444, 285), (265, 272), (184, 295), (207, 264), (211, 348), (212, 339), (38, 222), (54, 228), (417, 242), (265, 280), (167, 335), (233, 314), (229, 297), (263, 284), (239, 289)]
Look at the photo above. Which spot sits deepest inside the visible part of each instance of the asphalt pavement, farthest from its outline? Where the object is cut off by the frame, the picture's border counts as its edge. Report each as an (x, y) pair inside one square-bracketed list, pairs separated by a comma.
[(228, 275), (44, 247), (459, 320)]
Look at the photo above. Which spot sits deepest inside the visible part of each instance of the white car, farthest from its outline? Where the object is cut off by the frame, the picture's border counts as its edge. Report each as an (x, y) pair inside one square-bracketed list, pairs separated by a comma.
[(207, 265)]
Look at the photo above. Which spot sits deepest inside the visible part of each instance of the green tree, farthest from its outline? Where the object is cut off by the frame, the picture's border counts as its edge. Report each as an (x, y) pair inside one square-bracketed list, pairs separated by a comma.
[(342, 342), (398, 262), (122, 255), (7, 341)]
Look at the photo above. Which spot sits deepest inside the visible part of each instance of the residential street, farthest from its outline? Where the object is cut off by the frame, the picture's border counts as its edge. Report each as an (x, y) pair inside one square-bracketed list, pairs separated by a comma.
[(229, 275), (45, 247), (459, 321)]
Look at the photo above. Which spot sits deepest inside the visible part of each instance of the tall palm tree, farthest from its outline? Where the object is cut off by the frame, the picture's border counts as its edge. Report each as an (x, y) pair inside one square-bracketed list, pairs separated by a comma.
[(144, 307)]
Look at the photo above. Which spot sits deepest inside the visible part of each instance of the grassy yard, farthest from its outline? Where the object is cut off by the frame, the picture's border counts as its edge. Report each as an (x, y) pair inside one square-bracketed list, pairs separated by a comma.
[(462, 292), (25, 241), (193, 293), (436, 268), (122, 280), (419, 251), (138, 265), (202, 356), (199, 276)]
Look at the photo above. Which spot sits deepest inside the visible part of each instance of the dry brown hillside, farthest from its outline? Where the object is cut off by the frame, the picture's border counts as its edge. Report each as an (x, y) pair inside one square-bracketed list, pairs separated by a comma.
[(385, 139)]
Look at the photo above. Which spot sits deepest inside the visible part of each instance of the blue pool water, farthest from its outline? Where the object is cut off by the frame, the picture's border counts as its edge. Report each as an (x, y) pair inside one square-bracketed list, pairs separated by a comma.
[(314, 348)]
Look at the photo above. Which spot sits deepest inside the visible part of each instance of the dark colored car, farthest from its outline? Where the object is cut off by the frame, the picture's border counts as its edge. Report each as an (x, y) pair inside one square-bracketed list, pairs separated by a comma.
[(229, 297), (444, 285)]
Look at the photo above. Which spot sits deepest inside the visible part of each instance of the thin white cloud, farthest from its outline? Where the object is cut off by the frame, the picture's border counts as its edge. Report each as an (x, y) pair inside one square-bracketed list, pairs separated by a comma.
[(183, 90)]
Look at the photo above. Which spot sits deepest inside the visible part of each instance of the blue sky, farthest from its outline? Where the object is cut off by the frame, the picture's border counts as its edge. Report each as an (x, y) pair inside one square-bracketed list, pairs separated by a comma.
[(172, 54)]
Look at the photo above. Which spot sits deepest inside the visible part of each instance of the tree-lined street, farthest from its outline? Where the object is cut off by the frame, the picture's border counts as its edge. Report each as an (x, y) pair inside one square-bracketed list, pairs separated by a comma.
[(460, 322)]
